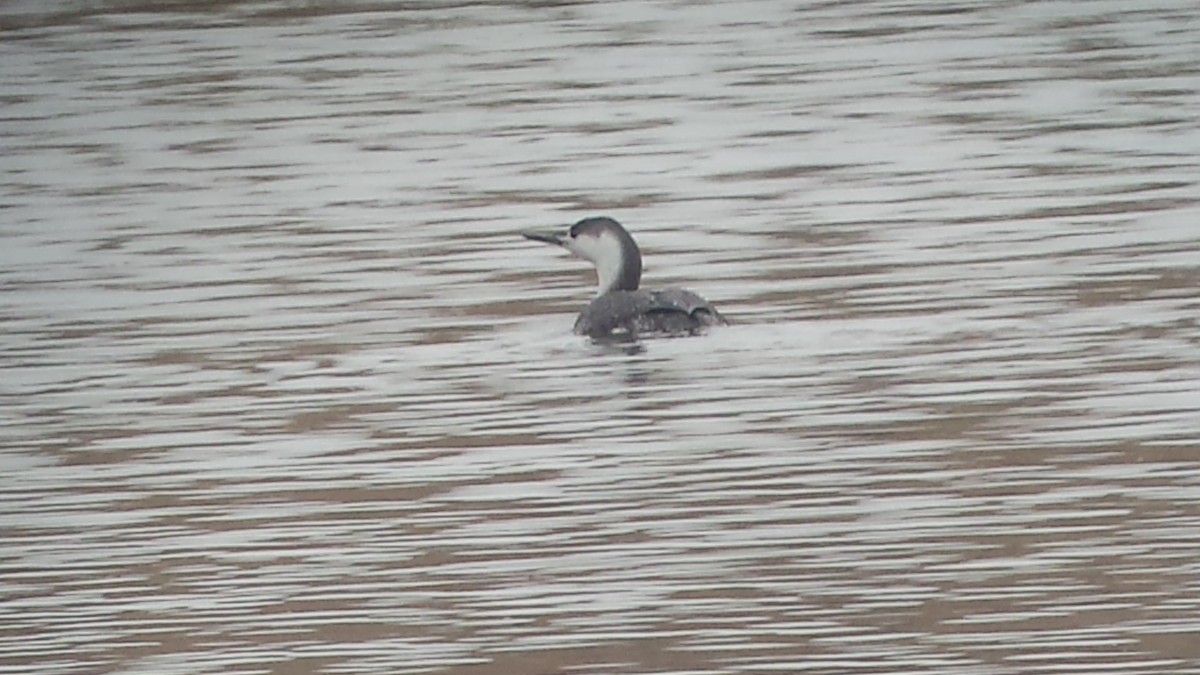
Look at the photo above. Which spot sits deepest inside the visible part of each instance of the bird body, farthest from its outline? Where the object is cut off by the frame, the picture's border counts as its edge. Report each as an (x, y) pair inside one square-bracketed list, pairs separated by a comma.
[(621, 307)]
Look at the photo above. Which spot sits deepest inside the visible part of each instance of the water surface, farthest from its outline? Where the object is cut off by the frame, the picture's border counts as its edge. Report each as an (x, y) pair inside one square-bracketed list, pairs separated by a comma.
[(282, 390)]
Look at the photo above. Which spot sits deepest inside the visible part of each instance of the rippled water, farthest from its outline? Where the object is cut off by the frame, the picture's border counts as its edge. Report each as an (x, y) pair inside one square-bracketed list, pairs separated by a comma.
[(283, 391)]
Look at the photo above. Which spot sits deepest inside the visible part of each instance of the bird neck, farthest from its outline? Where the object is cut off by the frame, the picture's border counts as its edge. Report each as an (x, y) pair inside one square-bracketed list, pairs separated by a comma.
[(621, 270)]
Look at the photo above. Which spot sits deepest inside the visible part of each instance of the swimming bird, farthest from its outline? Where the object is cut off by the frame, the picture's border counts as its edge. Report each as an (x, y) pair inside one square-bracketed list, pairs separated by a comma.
[(621, 308)]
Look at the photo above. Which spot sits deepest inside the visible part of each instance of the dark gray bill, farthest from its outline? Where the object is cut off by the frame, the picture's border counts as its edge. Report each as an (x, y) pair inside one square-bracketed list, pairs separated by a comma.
[(555, 236)]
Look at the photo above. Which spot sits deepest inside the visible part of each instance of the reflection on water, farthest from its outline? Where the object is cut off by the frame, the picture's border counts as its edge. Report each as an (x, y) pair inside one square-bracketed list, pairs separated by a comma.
[(283, 390)]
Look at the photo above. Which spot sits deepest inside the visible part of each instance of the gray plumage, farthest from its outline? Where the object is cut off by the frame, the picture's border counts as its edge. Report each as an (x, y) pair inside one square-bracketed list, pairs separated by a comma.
[(621, 308), (672, 311)]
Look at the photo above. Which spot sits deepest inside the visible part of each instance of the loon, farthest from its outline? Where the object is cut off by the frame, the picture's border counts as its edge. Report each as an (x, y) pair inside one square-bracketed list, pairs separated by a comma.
[(621, 308)]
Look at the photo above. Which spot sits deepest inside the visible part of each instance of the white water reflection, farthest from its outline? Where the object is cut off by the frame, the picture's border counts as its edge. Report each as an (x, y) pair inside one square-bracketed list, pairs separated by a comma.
[(283, 390)]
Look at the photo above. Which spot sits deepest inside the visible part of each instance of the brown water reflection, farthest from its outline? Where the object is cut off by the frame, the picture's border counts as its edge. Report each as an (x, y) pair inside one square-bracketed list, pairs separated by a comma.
[(283, 391)]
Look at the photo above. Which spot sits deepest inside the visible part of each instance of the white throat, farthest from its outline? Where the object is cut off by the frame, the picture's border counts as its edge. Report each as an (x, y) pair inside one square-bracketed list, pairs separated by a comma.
[(606, 254)]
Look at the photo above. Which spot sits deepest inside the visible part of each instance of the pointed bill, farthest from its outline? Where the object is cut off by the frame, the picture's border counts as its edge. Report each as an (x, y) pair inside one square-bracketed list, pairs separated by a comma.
[(556, 236)]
